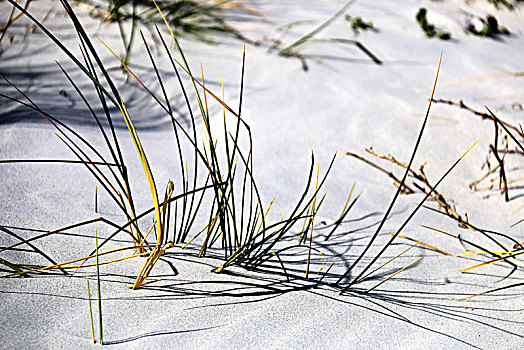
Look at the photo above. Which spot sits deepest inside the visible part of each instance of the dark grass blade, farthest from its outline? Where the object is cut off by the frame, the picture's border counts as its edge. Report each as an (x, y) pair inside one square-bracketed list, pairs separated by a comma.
[(282, 265), (397, 193), (317, 30), (94, 117), (184, 230), (514, 266), (103, 101), (119, 102), (48, 233), (58, 124), (55, 161), (358, 44), (505, 129), (494, 290), (341, 219), (486, 232), (14, 267), (104, 182), (62, 47), (54, 121), (293, 217), (377, 256), (23, 241), (149, 211), (287, 223)]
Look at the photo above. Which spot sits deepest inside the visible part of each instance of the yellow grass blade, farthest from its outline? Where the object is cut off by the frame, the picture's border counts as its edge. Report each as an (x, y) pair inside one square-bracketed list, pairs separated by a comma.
[(480, 253), (322, 268), (396, 273), (349, 198), (150, 263), (511, 255), (90, 310), (493, 290), (424, 244), (145, 165), (267, 211), (305, 221), (62, 265), (231, 259), (312, 222)]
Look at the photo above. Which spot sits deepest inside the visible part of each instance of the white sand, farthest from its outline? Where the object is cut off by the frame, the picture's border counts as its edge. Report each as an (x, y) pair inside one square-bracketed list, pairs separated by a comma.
[(343, 103)]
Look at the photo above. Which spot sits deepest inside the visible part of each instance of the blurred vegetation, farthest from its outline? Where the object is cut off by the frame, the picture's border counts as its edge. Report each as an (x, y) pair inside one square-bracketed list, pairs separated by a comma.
[(358, 24), (429, 28)]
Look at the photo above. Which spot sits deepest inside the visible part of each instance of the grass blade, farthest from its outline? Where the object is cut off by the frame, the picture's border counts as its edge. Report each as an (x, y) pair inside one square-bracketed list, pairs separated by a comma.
[(400, 185), (98, 288), (376, 257), (90, 309), (396, 273)]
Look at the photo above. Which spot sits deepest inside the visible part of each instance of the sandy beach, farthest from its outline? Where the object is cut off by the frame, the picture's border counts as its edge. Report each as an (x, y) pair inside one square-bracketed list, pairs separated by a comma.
[(344, 102)]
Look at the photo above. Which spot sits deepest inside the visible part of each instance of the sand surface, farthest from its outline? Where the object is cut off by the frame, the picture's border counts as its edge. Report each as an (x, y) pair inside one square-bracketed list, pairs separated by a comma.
[(344, 102)]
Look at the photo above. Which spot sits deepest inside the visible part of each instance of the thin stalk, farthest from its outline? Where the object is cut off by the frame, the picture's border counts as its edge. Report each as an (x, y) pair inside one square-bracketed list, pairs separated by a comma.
[(99, 293), (90, 310), (393, 275), (317, 30), (402, 182)]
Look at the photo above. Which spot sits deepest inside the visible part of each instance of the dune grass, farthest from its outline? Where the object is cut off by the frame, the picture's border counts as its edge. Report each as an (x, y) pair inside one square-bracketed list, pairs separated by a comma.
[(292, 50), (505, 248), (237, 220), (220, 185)]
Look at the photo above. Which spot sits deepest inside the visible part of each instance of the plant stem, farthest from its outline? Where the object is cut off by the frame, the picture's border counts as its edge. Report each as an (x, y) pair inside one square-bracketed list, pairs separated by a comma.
[(98, 286)]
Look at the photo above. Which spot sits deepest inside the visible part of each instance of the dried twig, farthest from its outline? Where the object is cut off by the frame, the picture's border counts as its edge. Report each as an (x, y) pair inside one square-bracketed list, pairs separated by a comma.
[(499, 150), (420, 182)]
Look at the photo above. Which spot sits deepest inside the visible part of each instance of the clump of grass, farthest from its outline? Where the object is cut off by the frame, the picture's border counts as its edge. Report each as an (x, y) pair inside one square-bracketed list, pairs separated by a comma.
[(195, 19), (237, 216), (505, 248), (237, 220), (292, 50), (509, 4), (227, 193), (358, 24), (429, 28), (490, 28)]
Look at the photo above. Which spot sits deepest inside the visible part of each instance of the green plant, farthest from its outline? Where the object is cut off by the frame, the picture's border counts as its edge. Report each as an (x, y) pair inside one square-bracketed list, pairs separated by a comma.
[(509, 4), (99, 293), (201, 20), (358, 24), (227, 193), (504, 248), (490, 28), (196, 19), (429, 28), (236, 219), (90, 309), (291, 49)]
